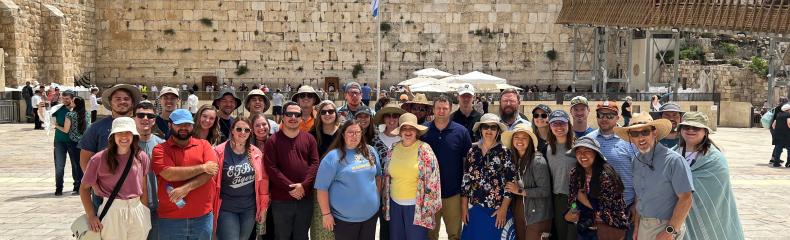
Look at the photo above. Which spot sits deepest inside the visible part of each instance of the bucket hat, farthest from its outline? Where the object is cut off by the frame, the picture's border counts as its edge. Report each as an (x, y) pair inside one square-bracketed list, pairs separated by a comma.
[(696, 119), (305, 89), (588, 142), (222, 93), (387, 109), (107, 95), (123, 124), (257, 92), (667, 107)]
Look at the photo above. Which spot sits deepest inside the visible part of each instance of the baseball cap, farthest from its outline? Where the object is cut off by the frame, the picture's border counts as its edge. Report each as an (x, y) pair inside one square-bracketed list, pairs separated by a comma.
[(558, 115), (609, 105), (579, 100), (181, 116), (466, 89), (166, 90)]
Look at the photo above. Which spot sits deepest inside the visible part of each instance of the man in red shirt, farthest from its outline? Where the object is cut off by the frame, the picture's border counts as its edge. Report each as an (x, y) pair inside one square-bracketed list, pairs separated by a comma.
[(184, 167), (291, 162)]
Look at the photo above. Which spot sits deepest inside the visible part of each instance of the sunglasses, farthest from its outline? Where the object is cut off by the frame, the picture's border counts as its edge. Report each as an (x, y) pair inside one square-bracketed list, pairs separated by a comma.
[(540, 115), (609, 116), (558, 124), (643, 133), (391, 115), (145, 115), (293, 114), (494, 127), (245, 130), (421, 109), (690, 128), (327, 112)]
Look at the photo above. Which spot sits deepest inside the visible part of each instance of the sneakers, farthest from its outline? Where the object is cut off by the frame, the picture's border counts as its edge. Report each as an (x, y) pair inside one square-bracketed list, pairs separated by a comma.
[(59, 192)]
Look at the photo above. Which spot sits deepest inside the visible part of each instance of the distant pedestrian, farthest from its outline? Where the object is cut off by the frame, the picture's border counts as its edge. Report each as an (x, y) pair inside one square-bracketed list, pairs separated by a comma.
[(27, 94), (37, 101), (64, 146), (192, 102), (94, 104)]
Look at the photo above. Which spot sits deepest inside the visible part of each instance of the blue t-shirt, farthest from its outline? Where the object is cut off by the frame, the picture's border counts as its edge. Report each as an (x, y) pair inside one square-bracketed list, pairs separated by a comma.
[(238, 182), (95, 137), (619, 155), (366, 93), (163, 126), (450, 145), (582, 134), (351, 184)]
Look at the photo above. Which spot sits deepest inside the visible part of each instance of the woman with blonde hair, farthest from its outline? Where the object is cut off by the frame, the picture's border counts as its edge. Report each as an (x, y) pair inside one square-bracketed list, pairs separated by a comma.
[(206, 125)]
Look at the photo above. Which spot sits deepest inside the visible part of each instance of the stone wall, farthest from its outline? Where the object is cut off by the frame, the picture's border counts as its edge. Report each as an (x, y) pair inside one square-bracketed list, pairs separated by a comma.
[(47, 40), (735, 84), (303, 41)]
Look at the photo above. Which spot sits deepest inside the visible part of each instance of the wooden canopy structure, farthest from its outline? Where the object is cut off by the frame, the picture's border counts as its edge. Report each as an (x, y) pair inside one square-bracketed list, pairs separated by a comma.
[(754, 16)]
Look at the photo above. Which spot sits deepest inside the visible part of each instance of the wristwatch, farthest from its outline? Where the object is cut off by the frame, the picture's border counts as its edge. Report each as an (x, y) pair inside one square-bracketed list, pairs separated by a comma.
[(670, 229)]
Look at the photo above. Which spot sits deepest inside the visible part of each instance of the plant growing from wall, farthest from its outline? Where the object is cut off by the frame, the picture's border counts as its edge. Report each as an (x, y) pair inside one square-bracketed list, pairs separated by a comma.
[(170, 31), (160, 49), (385, 28), (207, 22), (552, 56), (759, 66), (241, 70), (358, 68)]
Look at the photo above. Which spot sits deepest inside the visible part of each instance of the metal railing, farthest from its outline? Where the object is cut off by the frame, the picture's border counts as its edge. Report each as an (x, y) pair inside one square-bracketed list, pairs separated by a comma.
[(9, 111)]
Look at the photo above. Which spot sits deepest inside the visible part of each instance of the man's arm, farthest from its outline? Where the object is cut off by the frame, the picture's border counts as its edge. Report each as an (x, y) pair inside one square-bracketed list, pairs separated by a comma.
[(85, 156), (681, 210), (177, 174)]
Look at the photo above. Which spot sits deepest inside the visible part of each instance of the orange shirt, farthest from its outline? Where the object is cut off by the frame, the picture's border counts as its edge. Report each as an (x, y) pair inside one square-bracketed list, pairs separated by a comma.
[(307, 125)]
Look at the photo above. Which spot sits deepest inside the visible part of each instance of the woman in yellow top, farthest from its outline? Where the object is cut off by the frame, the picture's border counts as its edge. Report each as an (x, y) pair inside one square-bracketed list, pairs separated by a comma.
[(412, 194)]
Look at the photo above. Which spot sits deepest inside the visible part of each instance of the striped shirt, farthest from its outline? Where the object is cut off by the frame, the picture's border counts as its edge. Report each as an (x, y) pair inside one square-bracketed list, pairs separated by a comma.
[(619, 154)]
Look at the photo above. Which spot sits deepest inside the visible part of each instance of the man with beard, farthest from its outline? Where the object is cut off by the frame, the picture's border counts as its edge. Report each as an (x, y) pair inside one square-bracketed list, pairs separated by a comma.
[(580, 109), (64, 145), (450, 142), (509, 103), (307, 98), (184, 167), (168, 99), (466, 115), (353, 95), (670, 111), (145, 120), (226, 102), (291, 161), (257, 102), (661, 178)]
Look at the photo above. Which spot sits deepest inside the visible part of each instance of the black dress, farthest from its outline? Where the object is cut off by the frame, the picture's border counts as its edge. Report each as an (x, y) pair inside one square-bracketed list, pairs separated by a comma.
[(782, 131)]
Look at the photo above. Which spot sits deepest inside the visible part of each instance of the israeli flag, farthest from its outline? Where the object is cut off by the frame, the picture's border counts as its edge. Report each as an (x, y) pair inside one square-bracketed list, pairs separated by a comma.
[(374, 7)]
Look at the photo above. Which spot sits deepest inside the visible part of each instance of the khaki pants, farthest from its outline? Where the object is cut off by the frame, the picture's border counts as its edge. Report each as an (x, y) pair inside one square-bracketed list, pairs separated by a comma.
[(649, 228), (451, 213), (126, 219)]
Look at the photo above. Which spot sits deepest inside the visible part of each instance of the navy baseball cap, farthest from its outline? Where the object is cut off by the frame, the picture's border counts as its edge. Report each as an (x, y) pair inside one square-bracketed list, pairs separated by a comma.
[(558, 115)]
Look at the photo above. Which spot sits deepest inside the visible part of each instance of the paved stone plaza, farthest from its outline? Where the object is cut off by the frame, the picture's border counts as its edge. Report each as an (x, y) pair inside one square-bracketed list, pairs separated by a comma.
[(29, 209)]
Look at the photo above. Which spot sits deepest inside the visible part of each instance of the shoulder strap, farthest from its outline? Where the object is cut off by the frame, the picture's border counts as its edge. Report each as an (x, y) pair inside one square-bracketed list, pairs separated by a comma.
[(117, 187)]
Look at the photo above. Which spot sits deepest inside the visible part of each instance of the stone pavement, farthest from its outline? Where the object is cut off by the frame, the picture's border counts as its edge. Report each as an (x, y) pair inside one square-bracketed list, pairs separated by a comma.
[(29, 209)]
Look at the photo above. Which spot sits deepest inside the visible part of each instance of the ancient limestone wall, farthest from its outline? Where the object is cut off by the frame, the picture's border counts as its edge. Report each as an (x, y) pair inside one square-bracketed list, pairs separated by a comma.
[(47, 40), (735, 84), (303, 41)]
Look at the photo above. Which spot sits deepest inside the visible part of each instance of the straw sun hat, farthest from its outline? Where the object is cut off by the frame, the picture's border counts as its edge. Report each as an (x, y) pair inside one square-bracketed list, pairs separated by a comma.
[(641, 120)]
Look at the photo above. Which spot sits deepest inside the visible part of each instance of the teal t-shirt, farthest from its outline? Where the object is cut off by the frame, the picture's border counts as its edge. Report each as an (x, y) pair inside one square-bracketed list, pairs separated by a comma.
[(60, 118), (351, 184)]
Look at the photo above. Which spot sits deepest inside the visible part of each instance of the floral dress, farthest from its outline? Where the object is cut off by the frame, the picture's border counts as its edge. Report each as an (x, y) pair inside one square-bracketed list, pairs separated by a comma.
[(485, 176), (607, 208)]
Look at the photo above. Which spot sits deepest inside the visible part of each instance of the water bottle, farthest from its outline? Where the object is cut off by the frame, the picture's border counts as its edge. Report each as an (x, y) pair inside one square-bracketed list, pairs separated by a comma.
[(180, 203), (573, 208)]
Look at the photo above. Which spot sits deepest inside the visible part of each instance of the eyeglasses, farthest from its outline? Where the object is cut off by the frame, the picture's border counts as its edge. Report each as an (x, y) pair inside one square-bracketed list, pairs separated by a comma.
[(328, 112), (391, 115), (353, 133), (540, 115), (145, 115), (690, 128), (245, 130), (354, 93), (643, 133), (609, 116), (493, 127), (293, 114)]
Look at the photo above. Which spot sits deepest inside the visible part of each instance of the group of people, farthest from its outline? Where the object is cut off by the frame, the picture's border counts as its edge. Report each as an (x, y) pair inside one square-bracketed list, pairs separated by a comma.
[(336, 172)]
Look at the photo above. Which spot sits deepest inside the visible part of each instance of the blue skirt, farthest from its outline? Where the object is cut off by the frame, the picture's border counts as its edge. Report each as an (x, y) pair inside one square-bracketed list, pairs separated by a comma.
[(482, 226)]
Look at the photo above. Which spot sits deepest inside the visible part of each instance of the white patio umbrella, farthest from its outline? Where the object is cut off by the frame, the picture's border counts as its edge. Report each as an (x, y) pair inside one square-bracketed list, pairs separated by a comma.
[(436, 86), (417, 80), (476, 78), (431, 72)]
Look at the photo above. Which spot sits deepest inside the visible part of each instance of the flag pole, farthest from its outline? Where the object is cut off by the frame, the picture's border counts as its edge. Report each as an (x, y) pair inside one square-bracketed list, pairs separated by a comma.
[(378, 51)]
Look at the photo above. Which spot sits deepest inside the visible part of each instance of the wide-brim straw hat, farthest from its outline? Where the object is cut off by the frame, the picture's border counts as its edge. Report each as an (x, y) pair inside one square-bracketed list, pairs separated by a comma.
[(123, 124), (387, 109), (408, 119), (507, 137), (419, 98), (696, 119), (489, 118), (640, 120), (257, 92), (107, 95), (305, 89)]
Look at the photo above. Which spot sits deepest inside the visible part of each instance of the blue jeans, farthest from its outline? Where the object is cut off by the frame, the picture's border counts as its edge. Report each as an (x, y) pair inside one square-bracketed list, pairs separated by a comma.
[(61, 149), (232, 226), (188, 228), (402, 223), (777, 153)]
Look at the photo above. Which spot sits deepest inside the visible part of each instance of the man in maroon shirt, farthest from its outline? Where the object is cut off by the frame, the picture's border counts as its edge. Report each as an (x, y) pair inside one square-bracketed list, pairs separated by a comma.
[(291, 162)]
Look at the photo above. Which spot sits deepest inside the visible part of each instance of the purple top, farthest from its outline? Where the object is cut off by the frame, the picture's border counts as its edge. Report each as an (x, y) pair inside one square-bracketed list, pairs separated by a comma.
[(98, 175)]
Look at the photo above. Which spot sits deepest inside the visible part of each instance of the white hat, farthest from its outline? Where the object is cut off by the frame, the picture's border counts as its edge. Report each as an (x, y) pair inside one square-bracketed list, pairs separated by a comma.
[(466, 88), (490, 118), (124, 124), (166, 90), (785, 107)]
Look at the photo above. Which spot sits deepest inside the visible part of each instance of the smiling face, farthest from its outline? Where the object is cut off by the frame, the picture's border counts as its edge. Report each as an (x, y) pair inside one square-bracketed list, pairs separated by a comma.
[(559, 128), (521, 141), (227, 104), (363, 119), (408, 134), (182, 131), (466, 100), (241, 132), (292, 117), (607, 120), (542, 120), (673, 117), (256, 104), (441, 110), (391, 120), (644, 138), (352, 136), (585, 157), (123, 139), (169, 102), (207, 119), (354, 97), (121, 102), (579, 113), (261, 128), (509, 105), (306, 101), (145, 124), (328, 114), (692, 135), (489, 131)]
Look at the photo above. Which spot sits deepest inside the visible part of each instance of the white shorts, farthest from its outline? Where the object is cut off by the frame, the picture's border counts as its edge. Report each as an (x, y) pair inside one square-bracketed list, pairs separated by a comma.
[(126, 219)]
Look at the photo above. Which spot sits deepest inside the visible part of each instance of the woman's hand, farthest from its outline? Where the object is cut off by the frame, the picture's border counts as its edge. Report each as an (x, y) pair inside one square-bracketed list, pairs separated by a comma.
[(94, 223), (512, 187), (329, 222), (500, 215), (572, 217), (465, 215)]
